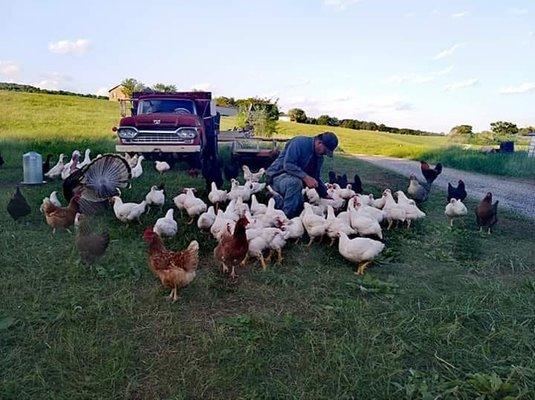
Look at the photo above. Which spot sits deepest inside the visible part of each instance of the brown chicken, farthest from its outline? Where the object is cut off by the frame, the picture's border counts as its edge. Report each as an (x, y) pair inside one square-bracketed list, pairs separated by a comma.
[(233, 247), (175, 269), (61, 217), (91, 246), (487, 213), (430, 174)]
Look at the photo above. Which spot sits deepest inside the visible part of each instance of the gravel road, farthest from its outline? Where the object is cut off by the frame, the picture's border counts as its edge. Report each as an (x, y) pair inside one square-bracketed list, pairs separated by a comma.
[(514, 194)]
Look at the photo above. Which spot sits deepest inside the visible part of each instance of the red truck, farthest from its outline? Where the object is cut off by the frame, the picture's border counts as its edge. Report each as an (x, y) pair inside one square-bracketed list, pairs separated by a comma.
[(171, 126)]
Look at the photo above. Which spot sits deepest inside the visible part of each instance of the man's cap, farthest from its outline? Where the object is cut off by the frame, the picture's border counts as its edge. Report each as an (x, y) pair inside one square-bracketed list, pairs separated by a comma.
[(330, 141)]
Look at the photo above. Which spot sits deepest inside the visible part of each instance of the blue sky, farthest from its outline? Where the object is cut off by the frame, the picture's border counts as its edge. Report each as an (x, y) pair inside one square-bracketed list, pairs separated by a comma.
[(418, 64)]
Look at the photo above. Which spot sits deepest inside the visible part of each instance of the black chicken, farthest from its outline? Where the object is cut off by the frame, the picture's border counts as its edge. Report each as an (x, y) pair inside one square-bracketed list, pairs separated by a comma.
[(430, 174), (231, 171), (46, 164), (342, 180), (356, 185), (97, 182), (332, 177), (90, 245), (458, 192), (18, 206)]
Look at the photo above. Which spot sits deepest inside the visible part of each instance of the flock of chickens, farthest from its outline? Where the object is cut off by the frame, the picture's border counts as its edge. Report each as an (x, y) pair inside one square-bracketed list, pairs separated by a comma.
[(243, 227)]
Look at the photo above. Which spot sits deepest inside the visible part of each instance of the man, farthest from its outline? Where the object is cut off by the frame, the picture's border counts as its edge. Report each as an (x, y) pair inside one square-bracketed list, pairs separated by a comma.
[(297, 166)]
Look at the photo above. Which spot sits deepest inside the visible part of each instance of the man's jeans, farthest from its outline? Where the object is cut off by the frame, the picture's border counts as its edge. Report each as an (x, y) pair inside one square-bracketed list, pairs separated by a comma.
[(290, 189)]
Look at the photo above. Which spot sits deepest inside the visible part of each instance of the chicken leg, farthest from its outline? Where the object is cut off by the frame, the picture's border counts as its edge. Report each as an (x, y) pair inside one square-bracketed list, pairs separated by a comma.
[(362, 267), (279, 254), (242, 264), (233, 273), (224, 268), (310, 241), (191, 220), (262, 261), (332, 242), (390, 223)]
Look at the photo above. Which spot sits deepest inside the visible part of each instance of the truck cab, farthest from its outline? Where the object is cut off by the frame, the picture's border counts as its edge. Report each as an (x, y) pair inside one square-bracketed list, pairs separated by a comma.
[(171, 126)]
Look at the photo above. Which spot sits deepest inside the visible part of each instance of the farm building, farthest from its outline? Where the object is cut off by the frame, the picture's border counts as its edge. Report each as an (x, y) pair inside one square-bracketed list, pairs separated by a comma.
[(116, 93), (227, 111)]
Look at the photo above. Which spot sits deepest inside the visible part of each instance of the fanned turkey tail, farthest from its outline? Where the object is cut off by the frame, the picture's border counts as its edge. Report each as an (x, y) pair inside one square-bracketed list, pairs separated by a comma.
[(97, 182)]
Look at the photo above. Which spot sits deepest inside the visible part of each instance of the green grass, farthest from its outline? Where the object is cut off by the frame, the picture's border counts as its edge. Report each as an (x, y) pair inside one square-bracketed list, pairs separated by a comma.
[(439, 306)]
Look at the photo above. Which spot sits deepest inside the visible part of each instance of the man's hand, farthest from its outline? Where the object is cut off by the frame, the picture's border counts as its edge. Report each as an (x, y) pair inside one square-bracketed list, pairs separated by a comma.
[(310, 182)]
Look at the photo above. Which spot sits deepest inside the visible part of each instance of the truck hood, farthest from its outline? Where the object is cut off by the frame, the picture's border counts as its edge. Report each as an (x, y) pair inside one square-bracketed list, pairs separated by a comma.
[(161, 121)]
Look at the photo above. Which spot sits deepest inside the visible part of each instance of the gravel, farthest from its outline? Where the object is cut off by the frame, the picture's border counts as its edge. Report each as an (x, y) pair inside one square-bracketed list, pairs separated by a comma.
[(514, 194)]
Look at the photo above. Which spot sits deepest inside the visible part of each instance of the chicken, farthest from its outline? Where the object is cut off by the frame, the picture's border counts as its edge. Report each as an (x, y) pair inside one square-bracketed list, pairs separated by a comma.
[(393, 211), (53, 198), (18, 206), (230, 212), (356, 185), (91, 246), (487, 213), (193, 205), (363, 223), (175, 269), (412, 212), (233, 247), (259, 239), (378, 203), (132, 161), (161, 166), (458, 192), (71, 166), (256, 187), (231, 171), (272, 215), (332, 177), (359, 250), (418, 191), (256, 207), (217, 196), (166, 226), (61, 217), (373, 212), (126, 212), (252, 176), (292, 228), (336, 225), (137, 170), (455, 209), (179, 200), (221, 225), (206, 219), (345, 193), (155, 197), (314, 224), (312, 195), (342, 180), (46, 164), (55, 171), (86, 159), (430, 174), (236, 190), (277, 243)]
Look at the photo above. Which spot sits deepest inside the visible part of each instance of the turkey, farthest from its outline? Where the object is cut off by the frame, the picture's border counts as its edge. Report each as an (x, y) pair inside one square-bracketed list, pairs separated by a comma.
[(97, 182)]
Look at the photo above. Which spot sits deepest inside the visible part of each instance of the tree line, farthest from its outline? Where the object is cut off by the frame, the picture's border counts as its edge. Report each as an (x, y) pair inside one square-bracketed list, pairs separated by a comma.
[(17, 87), (499, 131)]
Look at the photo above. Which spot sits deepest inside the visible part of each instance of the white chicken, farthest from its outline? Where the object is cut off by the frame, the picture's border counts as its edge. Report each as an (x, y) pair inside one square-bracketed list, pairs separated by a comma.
[(217, 196), (293, 228), (314, 224), (369, 210), (359, 250), (86, 159), (55, 171), (221, 225), (166, 226), (378, 203), (71, 165), (206, 219), (252, 176), (259, 240), (53, 198), (239, 191), (256, 207), (155, 197), (335, 201), (345, 193), (363, 223), (312, 195), (256, 187), (126, 212), (277, 244), (412, 212), (272, 215), (193, 205), (336, 225), (161, 166), (132, 161), (231, 212), (392, 210), (366, 199), (137, 170), (455, 209)]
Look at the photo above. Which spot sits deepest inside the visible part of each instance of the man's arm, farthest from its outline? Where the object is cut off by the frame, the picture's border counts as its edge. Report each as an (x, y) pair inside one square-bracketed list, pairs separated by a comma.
[(290, 164)]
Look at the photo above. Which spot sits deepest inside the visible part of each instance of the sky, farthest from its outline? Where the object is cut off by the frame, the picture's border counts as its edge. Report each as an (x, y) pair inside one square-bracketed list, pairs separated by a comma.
[(419, 64)]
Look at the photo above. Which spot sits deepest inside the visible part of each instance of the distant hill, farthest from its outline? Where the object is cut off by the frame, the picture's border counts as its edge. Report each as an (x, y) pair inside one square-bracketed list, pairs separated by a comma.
[(17, 87)]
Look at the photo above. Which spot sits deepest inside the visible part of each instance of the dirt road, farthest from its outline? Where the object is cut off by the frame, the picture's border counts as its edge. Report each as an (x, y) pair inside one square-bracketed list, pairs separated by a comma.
[(514, 194)]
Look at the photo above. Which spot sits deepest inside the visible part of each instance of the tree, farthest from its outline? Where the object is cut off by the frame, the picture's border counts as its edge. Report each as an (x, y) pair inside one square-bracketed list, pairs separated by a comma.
[(261, 123), (461, 130), (223, 101), (163, 88), (297, 115), (131, 85), (504, 128), (324, 120)]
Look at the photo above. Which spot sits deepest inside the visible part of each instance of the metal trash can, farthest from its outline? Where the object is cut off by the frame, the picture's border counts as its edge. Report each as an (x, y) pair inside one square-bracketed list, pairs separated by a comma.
[(32, 166)]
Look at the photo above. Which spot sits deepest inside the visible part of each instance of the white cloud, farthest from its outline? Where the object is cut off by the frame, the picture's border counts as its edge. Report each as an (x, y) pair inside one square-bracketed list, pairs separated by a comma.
[(525, 87), (55, 81), (447, 52), (78, 46), (518, 11), (417, 78), (461, 85), (340, 4), (9, 70), (459, 14)]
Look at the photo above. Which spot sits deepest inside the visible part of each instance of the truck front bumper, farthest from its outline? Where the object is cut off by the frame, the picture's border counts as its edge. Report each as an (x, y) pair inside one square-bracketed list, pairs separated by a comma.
[(156, 148)]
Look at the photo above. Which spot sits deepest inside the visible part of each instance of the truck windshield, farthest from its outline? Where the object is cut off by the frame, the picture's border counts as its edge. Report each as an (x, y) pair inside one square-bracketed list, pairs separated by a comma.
[(151, 106)]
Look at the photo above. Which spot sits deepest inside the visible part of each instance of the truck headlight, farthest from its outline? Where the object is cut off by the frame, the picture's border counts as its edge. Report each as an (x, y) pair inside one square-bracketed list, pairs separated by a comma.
[(187, 133), (127, 133)]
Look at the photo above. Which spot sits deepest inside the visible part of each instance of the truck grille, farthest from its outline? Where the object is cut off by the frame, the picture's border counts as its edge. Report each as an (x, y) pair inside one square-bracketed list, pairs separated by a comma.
[(160, 137)]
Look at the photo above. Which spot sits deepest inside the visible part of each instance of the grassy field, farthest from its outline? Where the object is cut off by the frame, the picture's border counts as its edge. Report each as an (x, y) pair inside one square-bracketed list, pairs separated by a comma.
[(443, 313)]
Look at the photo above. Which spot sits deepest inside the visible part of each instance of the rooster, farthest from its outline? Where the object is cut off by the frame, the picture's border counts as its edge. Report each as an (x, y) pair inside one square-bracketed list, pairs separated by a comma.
[(174, 269), (91, 246), (430, 174), (233, 247), (487, 213), (97, 182), (458, 192)]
